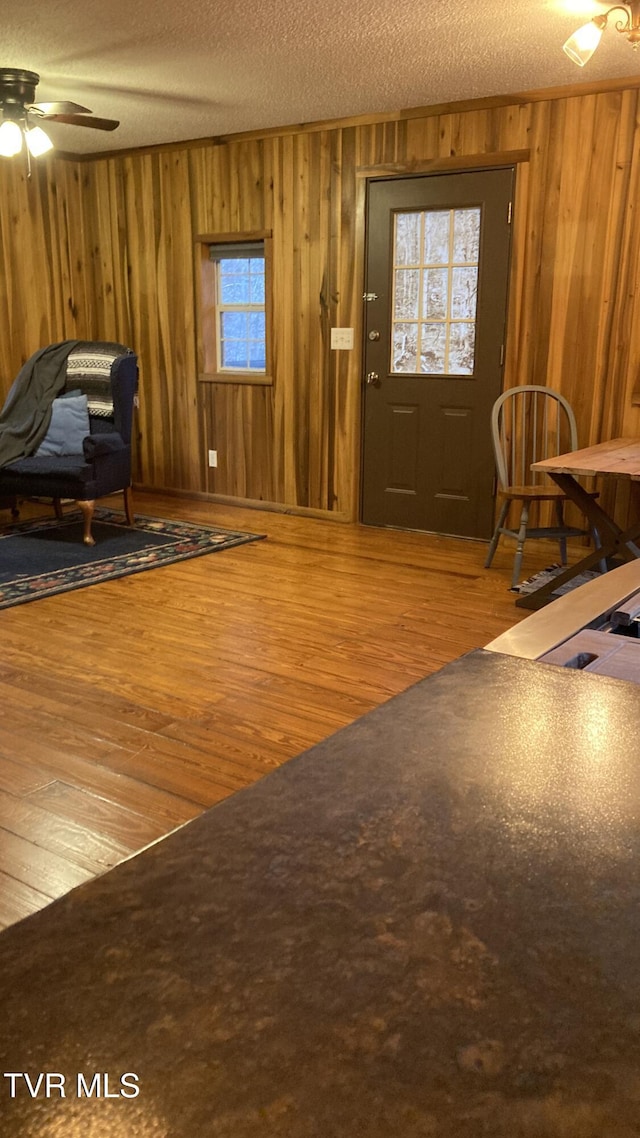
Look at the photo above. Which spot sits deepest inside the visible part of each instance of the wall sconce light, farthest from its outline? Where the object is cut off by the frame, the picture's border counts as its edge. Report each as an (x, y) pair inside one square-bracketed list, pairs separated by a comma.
[(582, 44)]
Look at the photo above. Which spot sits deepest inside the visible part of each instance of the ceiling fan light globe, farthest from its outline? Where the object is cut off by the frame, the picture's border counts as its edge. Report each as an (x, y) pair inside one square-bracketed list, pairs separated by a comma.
[(582, 44), (10, 139), (38, 141)]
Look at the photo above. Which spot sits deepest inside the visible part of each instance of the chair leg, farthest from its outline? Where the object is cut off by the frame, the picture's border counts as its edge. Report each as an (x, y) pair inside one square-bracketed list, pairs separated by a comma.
[(58, 509), (493, 544), (595, 535), (562, 541), (128, 505), (522, 535), (87, 515)]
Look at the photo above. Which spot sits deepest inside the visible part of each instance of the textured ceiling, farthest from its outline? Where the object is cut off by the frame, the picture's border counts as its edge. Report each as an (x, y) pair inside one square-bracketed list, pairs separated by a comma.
[(212, 68)]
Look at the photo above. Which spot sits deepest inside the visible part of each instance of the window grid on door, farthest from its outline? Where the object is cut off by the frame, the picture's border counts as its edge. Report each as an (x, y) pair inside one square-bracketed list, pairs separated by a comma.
[(435, 291)]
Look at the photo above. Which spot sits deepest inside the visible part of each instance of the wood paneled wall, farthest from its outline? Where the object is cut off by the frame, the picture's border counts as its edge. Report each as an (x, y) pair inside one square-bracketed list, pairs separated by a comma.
[(104, 248)]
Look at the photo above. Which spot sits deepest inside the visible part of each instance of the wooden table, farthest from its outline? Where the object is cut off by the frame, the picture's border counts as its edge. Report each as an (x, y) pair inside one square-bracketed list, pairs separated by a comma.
[(619, 458)]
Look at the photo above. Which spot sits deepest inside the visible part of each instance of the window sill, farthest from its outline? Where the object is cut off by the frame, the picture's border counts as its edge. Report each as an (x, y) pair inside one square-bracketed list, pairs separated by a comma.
[(257, 379)]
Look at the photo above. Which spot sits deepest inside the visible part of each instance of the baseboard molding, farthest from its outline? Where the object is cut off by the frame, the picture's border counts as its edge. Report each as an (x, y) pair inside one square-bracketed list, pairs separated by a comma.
[(249, 503)]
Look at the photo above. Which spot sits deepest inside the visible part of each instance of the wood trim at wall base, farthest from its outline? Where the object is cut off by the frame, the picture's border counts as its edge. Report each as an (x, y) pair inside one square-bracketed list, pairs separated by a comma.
[(249, 503)]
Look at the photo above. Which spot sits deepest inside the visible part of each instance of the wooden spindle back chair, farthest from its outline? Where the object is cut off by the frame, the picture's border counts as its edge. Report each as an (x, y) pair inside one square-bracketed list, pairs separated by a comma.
[(528, 424)]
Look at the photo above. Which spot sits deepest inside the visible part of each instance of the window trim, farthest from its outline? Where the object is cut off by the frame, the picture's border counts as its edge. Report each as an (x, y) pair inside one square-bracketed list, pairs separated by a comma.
[(209, 371)]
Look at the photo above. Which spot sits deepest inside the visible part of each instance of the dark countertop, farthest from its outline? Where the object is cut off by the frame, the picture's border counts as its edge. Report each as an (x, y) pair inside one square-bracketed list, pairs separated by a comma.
[(427, 926)]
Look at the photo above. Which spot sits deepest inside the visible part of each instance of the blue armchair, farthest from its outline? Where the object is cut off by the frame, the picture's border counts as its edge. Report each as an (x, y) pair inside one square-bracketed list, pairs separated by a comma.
[(86, 452)]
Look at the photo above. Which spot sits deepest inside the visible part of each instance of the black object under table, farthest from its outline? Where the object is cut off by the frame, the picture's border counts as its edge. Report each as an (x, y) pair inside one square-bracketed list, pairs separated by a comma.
[(428, 925)]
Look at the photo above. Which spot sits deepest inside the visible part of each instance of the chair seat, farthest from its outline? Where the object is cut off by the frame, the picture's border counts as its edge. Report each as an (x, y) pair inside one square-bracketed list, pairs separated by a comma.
[(72, 466)]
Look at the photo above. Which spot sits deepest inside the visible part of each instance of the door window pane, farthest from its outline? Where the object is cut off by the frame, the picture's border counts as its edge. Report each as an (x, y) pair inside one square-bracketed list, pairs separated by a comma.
[(435, 301), (462, 344), (435, 294), (433, 348), (407, 292), (407, 238), (405, 348), (466, 235), (436, 236), (464, 292)]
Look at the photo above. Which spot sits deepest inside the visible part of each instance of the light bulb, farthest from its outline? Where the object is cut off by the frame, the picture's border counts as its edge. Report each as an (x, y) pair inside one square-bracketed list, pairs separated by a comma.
[(582, 44), (10, 139), (38, 142)]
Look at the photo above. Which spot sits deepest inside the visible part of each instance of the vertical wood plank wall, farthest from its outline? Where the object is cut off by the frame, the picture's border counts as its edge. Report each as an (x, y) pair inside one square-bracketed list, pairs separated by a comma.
[(104, 248)]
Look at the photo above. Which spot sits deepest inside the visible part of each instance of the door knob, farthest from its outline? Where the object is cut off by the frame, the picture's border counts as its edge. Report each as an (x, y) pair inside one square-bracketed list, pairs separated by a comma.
[(374, 334), (373, 377)]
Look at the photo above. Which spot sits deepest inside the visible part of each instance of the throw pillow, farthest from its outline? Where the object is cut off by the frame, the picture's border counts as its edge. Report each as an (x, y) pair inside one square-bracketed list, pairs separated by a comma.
[(68, 427)]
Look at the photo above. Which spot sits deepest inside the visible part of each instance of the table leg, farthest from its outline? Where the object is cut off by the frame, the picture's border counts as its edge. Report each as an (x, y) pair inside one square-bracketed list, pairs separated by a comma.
[(619, 540), (615, 543), (589, 506), (544, 594)]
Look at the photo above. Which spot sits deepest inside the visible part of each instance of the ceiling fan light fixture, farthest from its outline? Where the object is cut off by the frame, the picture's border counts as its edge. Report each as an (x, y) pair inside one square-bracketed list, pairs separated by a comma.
[(38, 141), (582, 44), (19, 115), (10, 139)]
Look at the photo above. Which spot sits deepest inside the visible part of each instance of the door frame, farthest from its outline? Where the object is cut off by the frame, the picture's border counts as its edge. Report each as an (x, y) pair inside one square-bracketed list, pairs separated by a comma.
[(472, 163)]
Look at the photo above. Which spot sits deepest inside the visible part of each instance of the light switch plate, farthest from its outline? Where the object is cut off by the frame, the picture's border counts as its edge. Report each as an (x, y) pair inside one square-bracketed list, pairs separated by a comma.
[(342, 338)]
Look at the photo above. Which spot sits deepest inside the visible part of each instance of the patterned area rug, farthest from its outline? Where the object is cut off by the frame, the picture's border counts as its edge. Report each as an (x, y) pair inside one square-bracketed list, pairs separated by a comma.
[(47, 556)]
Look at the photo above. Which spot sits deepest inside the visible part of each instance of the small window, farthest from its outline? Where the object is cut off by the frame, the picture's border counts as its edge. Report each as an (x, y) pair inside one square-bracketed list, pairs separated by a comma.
[(240, 271), (235, 310)]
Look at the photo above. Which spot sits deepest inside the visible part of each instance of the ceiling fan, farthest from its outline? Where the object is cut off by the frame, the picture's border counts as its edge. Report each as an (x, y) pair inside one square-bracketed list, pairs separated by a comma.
[(21, 116)]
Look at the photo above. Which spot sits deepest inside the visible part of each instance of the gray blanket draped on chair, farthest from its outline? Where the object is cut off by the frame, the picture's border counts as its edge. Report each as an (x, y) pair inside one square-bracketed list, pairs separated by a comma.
[(26, 414)]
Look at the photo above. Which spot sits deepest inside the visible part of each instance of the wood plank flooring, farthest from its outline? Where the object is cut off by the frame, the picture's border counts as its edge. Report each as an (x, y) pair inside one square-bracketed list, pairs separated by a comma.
[(130, 707)]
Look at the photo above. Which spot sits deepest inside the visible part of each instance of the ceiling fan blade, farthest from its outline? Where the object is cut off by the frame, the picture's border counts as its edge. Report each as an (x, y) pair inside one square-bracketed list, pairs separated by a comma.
[(64, 108), (84, 120)]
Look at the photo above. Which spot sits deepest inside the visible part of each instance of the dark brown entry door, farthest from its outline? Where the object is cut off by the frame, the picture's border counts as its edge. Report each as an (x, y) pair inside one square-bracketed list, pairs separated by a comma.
[(435, 310)]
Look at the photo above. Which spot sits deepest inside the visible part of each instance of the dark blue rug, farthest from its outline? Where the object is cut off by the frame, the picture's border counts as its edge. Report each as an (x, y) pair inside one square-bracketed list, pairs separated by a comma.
[(47, 556)]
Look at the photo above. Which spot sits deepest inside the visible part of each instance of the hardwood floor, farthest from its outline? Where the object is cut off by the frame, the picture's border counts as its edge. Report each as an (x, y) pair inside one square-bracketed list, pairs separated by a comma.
[(130, 707)]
